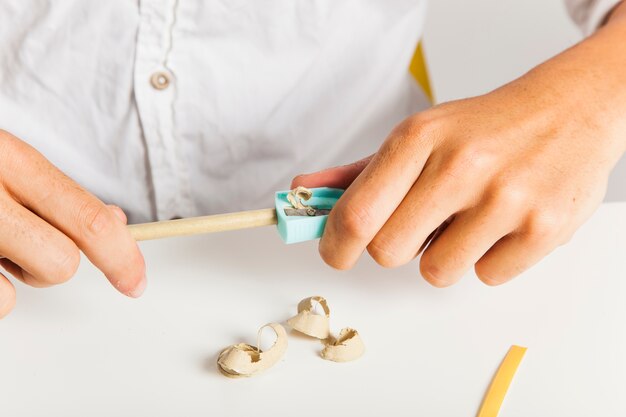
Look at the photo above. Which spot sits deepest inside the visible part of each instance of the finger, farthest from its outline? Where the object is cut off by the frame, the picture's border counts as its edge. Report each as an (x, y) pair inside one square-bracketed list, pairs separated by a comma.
[(12, 268), (96, 230), (512, 255), (119, 213), (39, 254), (436, 196), (463, 243), (337, 177), (374, 195), (26, 277), (434, 235), (7, 296)]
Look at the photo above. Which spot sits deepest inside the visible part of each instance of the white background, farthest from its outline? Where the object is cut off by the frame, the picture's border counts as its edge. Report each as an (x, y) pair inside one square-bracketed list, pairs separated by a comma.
[(81, 349), (475, 46)]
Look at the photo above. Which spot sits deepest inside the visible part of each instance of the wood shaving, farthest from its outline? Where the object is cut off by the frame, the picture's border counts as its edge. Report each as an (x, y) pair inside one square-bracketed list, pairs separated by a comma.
[(309, 323), (244, 360), (348, 346), (298, 194)]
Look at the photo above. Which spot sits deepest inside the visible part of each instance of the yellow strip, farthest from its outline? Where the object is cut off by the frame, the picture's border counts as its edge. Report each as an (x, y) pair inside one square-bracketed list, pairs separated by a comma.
[(501, 381), (419, 70)]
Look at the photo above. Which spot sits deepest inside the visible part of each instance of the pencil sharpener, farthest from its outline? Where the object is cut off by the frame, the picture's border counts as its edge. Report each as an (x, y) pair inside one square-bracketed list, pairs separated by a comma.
[(306, 222)]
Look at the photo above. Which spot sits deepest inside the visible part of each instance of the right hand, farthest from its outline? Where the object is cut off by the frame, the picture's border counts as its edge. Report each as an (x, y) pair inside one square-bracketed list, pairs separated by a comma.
[(46, 219)]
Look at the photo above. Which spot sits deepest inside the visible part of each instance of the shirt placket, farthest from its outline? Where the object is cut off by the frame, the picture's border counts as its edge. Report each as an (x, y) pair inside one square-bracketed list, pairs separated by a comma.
[(155, 95)]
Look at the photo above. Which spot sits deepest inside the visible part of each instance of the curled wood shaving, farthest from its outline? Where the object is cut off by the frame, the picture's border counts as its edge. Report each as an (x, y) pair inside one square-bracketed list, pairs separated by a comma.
[(244, 360), (298, 194), (309, 323), (348, 346)]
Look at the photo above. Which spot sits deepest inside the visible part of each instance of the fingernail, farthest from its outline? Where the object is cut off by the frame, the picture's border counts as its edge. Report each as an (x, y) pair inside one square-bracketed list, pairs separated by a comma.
[(139, 289), (119, 213)]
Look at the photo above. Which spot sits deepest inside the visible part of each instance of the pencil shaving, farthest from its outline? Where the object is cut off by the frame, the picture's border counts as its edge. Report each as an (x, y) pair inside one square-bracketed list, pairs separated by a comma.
[(309, 323), (244, 360), (348, 346), (298, 194)]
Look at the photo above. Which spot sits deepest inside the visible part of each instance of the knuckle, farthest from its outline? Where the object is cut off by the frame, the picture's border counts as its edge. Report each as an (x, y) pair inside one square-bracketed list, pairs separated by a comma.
[(421, 124), (420, 127), (353, 221), (61, 268), (94, 219), (543, 226), (65, 266), (471, 159), (465, 162), (410, 126), (510, 196)]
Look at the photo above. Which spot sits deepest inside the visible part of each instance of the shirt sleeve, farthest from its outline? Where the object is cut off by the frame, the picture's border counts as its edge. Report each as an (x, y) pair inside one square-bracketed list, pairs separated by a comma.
[(590, 14)]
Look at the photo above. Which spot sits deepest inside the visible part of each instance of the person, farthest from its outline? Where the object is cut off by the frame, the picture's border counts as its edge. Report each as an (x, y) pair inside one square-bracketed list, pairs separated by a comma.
[(171, 108)]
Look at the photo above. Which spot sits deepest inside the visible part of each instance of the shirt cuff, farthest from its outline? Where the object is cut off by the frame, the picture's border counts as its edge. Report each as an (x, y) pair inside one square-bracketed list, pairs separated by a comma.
[(596, 15)]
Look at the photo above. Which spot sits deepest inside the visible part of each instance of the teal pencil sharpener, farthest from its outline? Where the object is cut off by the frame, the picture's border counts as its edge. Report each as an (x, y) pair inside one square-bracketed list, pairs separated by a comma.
[(302, 213)]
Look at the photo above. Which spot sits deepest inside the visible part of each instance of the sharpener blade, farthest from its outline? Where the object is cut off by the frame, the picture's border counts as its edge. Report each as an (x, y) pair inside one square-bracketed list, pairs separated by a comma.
[(309, 211)]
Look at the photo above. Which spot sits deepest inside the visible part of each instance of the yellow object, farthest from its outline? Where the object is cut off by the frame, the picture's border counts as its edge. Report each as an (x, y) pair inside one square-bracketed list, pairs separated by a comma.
[(419, 70), (501, 382)]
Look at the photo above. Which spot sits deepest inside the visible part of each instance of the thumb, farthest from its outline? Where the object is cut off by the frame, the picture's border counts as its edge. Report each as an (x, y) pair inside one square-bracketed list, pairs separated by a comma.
[(337, 177)]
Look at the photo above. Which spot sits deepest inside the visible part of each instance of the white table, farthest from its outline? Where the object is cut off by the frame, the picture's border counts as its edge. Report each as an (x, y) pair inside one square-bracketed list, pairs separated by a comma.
[(82, 349)]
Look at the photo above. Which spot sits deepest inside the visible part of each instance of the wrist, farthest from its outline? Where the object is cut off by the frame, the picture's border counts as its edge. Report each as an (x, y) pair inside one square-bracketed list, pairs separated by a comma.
[(588, 82)]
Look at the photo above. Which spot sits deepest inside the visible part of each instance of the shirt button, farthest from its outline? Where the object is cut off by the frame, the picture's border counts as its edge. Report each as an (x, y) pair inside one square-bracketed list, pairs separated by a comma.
[(160, 80)]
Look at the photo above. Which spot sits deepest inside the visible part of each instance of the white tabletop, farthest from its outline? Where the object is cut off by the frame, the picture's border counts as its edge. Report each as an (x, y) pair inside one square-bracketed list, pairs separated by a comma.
[(82, 349)]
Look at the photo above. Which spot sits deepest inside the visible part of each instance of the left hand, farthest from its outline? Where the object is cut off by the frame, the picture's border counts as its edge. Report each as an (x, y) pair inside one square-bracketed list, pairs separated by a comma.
[(500, 180)]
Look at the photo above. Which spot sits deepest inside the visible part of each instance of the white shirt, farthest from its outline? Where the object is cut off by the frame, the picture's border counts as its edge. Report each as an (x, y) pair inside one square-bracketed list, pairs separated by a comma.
[(590, 14), (257, 92)]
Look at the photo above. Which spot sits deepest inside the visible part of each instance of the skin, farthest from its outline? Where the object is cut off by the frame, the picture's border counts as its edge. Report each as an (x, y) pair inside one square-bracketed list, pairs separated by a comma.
[(494, 182), (46, 219), (497, 181)]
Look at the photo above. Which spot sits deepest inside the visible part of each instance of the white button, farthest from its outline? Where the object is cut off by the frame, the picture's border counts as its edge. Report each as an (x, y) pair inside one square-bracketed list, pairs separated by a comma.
[(160, 80)]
